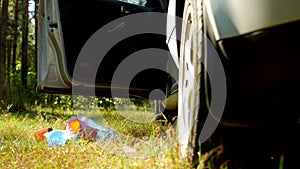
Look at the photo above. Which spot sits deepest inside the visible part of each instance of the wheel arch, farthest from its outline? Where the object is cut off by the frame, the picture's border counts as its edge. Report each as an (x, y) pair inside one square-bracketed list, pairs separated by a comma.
[(209, 22)]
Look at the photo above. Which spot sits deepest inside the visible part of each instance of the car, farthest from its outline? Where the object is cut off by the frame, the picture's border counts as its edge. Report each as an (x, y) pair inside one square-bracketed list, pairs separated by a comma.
[(229, 70)]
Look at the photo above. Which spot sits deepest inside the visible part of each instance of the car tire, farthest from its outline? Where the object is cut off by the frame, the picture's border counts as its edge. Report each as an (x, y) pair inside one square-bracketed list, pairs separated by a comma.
[(192, 107)]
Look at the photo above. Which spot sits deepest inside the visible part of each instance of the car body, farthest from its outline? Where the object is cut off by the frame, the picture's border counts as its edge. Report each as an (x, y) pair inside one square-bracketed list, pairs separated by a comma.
[(256, 42)]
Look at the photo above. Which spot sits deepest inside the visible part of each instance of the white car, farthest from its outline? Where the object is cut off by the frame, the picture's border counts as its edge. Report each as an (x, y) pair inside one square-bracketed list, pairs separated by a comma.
[(234, 66)]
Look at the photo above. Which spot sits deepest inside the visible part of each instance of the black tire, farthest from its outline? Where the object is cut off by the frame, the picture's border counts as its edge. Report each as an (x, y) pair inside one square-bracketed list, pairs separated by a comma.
[(192, 107)]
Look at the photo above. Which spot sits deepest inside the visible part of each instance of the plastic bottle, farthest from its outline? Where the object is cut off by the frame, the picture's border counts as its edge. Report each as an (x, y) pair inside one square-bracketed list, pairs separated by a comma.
[(74, 125), (39, 135)]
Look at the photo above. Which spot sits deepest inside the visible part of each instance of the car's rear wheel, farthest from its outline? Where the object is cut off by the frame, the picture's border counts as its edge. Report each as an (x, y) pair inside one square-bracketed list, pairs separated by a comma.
[(191, 99)]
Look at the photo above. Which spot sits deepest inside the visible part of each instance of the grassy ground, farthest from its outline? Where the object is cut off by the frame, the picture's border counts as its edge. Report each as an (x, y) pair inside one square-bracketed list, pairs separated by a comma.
[(142, 144)]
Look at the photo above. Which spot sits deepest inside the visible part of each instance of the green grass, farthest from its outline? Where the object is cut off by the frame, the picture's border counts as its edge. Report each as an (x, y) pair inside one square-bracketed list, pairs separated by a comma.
[(142, 144)]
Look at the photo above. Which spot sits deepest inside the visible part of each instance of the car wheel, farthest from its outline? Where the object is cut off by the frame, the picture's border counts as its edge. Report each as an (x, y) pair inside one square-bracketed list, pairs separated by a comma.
[(191, 99)]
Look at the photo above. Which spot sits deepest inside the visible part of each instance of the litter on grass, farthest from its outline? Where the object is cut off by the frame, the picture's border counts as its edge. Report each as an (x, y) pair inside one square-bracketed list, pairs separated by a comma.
[(79, 128)]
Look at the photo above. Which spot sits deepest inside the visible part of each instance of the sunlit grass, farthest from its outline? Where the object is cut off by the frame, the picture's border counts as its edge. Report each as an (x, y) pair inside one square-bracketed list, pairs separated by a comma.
[(142, 144)]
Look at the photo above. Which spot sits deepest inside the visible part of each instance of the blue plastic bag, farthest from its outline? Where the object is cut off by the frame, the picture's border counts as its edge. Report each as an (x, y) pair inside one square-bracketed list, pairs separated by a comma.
[(58, 137)]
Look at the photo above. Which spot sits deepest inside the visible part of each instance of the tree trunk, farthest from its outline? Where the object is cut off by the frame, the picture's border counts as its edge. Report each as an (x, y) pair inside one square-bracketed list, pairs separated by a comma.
[(36, 34), (9, 44), (15, 35), (24, 70), (3, 26)]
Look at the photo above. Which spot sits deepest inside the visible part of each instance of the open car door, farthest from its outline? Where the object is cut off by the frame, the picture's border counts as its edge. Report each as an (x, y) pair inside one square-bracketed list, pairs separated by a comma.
[(66, 25)]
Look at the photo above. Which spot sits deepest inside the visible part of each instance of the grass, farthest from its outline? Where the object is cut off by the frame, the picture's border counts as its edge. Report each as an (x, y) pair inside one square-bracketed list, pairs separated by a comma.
[(142, 144)]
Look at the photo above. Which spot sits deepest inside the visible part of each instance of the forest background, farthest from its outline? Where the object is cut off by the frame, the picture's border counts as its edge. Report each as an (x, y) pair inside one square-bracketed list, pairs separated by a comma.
[(18, 61)]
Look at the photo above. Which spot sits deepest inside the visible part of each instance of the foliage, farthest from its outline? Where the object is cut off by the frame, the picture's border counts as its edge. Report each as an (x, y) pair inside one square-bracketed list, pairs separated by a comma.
[(14, 93)]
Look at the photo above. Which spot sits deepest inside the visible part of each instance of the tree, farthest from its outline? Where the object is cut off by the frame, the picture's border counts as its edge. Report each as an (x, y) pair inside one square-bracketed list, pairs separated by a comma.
[(15, 35), (24, 44), (3, 25), (35, 33), (8, 67)]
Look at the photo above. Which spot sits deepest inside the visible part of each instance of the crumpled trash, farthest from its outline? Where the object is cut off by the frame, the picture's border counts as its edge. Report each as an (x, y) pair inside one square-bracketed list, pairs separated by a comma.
[(81, 128)]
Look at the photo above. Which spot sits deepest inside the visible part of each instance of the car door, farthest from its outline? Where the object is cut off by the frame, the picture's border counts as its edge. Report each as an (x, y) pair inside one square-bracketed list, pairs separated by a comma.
[(66, 25)]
